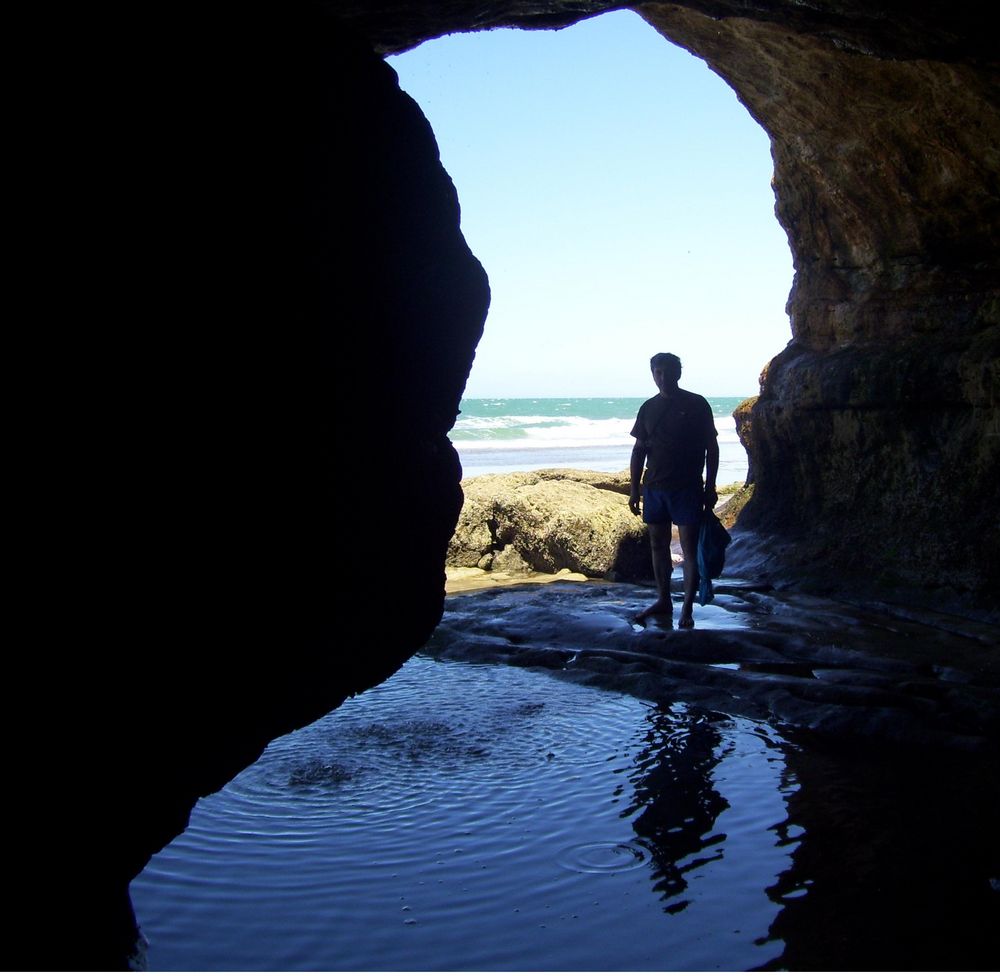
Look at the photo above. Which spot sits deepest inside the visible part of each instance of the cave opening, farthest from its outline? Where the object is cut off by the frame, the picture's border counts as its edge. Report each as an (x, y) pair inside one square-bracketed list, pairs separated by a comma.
[(619, 197), (880, 143)]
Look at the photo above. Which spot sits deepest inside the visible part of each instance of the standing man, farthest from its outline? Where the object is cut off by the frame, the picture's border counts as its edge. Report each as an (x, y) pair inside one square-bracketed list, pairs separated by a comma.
[(675, 439)]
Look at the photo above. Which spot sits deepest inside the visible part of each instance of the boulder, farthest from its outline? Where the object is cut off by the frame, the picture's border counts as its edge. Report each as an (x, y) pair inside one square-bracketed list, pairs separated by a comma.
[(619, 481), (532, 520), (743, 416)]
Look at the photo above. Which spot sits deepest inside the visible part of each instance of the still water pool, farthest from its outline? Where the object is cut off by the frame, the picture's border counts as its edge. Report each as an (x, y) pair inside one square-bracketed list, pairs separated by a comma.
[(467, 816), (482, 817)]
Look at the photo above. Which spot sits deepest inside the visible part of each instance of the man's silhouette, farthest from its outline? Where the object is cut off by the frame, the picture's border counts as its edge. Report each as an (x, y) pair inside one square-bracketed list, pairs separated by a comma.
[(675, 440)]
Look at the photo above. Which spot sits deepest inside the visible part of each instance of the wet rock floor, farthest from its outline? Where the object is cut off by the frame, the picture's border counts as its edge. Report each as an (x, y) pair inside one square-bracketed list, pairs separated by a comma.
[(847, 670), (473, 818)]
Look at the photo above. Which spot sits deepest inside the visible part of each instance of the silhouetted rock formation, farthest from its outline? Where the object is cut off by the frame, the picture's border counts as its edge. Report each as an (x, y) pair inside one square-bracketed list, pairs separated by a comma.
[(283, 290), (249, 268)]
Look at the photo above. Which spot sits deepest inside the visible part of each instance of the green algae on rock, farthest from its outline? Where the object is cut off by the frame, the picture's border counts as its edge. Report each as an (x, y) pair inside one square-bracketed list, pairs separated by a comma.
[(550, 521)]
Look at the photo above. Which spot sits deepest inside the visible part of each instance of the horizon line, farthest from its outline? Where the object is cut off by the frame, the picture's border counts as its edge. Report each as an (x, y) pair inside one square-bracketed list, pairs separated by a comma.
[(589, 396)]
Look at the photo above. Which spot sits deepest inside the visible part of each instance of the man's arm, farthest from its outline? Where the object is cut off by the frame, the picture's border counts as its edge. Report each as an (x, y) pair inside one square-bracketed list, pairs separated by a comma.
[(636, 465), (711, 472)]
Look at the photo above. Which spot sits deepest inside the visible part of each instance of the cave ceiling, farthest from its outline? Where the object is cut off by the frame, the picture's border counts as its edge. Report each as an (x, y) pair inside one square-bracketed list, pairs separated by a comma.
[(943, 31)]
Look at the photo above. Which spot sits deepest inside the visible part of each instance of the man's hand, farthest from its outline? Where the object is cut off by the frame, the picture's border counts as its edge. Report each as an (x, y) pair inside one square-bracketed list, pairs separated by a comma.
[(711, 497), (633, 502)]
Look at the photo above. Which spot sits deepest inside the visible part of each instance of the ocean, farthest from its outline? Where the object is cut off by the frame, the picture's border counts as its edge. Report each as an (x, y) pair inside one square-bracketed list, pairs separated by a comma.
[(497, 436)]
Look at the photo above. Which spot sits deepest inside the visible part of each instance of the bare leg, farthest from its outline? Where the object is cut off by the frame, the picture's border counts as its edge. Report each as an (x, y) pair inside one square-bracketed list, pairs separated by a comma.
[(689, 547), (659, 544)]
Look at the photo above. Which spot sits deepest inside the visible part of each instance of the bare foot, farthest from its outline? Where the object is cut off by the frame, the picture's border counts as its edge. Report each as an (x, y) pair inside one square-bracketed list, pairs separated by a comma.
[(661, 607), (686, 622)]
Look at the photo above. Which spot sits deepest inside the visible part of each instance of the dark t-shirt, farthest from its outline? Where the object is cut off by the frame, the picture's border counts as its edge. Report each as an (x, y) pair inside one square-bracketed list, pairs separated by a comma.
[(676, 433)]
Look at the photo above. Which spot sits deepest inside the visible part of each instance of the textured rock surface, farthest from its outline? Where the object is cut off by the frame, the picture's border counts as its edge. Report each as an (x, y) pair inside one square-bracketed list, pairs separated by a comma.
[(542, 522), (862, 671), (743, 417)]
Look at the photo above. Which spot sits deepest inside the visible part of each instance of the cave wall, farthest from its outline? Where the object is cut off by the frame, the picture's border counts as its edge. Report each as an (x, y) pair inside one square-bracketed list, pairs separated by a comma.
[(258, 319), (241, 490)]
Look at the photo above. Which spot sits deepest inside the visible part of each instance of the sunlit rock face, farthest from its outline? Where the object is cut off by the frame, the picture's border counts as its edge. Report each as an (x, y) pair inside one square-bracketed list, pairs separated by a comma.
[(553, 520)]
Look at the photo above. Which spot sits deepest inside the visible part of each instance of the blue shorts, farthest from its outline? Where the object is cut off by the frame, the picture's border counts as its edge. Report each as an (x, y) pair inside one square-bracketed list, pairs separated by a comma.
[(682, 506)]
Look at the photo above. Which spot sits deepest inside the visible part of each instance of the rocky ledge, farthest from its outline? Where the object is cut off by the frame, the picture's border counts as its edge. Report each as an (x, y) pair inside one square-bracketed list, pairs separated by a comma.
[(556, 520), (854, 671)]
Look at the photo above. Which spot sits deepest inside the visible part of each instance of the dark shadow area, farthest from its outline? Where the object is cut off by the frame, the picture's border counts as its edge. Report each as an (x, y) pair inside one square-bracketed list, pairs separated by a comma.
[(894, 851), (897, 863)]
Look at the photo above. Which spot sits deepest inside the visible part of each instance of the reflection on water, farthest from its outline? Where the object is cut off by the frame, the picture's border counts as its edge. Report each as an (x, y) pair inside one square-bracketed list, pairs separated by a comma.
[(676, 800), (896, 861), (467, 816)]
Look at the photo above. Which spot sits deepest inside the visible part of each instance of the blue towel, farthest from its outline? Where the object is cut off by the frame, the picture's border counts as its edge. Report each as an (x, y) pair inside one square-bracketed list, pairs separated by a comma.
[(712, 541)]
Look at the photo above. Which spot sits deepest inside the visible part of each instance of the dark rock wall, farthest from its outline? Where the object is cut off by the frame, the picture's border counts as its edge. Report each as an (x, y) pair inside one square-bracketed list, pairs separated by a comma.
[(395, 25), (269, 289)]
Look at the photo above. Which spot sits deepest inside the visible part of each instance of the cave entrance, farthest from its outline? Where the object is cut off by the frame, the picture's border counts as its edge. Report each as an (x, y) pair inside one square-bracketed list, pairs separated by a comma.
[(618, 195)]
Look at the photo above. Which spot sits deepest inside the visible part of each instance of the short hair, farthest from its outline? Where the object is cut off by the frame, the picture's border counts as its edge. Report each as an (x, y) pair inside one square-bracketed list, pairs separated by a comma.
[(668, 362)]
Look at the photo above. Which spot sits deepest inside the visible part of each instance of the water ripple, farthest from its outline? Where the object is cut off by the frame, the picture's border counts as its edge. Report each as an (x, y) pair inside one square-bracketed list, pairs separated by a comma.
[(467, 816), (603, 858)]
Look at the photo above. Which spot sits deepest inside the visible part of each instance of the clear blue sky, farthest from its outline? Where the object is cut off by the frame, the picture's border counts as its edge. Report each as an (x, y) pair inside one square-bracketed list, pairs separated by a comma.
[(619, 197)]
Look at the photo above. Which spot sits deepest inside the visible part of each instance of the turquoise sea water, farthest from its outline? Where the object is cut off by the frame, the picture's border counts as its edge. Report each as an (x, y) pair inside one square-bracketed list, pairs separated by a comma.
[(495, 436)]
